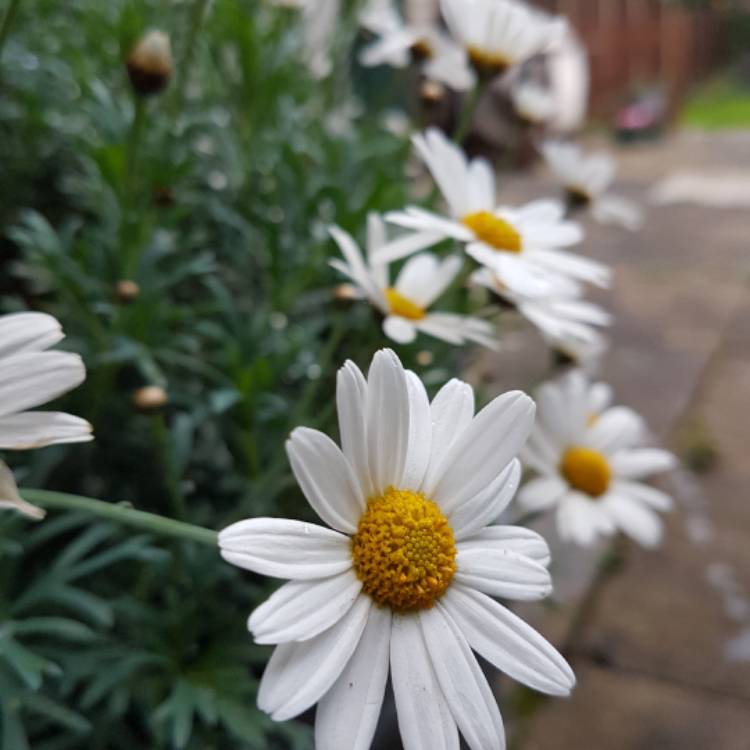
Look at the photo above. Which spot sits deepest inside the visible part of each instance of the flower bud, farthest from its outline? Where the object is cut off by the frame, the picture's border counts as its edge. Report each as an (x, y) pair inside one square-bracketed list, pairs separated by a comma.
[(150, 63), (432, 92), (126, 291), (150, 398), (345, 293)]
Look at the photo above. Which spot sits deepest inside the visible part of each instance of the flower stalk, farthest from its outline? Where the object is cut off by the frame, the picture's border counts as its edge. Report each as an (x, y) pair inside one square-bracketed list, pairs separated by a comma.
[(122, 514)]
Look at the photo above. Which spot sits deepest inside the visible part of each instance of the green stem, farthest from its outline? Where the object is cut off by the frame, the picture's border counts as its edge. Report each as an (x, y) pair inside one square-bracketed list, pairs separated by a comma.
[(468, 110), (122, 514), (172, 476), (129, 235), (7, 24), (181, 71)]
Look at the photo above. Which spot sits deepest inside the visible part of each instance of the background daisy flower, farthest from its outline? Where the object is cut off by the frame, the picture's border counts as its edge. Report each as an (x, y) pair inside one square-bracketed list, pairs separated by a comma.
[(587, 179), (398, 44), (30, 376), (590, 462), (564, 319), (522, 245), (499, 34), (405, 304), (401, 579)]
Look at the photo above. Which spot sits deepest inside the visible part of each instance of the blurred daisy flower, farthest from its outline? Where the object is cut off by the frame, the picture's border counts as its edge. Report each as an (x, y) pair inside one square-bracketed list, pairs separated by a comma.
[(30, 376), (586, 179), (401, 578), (498, 34), (590, 463), (405, 304), (521, 245), (398, 43), (565, 320)]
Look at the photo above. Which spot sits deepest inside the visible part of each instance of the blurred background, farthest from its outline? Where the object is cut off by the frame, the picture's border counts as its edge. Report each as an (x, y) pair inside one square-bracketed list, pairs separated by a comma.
[(181, 240)]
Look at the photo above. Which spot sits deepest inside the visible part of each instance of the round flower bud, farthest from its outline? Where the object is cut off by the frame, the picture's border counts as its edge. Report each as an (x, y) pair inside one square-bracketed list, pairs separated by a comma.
[(126, 291), (150, 63), (150, 398)]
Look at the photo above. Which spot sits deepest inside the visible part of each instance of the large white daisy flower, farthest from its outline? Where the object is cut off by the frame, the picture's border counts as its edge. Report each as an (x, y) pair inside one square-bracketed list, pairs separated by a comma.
[(590, 462), (405, 304), (565, 320), (522, 245), (587, 179), (402, 580), (30, 376), (399, 43), (498, 34)]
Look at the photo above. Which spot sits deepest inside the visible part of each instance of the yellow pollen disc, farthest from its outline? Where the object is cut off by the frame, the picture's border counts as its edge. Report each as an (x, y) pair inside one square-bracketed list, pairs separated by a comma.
[(422, 50), (487, 62), (586, 470), (404, 552), (401, 306), (494, 231)]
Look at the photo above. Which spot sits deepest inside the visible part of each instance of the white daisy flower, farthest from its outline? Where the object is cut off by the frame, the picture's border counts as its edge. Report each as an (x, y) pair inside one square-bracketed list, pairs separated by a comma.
[(402, 580), (533, 102), (565, 321), (499, 34), (521, 245), (30, 376), (405, 304), (590, 461), (399, 43), (587, 178)]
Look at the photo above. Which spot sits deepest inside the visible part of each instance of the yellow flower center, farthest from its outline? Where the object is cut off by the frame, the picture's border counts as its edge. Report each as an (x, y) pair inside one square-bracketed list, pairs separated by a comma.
[(586, 470), (422, 50), (488, 62), (402, 306), (494, 231), (404, 552)]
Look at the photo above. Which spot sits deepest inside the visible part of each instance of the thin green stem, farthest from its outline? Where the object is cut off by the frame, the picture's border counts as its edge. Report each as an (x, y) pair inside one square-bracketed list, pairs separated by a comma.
[(129, 234), (172, 476), (468, 110), (7, 24), (122, 514)]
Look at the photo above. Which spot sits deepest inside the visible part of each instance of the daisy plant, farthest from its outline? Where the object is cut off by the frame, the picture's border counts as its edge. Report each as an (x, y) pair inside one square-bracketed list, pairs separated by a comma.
[(586, 179), (29, 376), (401, 578), (590, 462), (405, 303), (397, 44), (499, 34), (524, 246)]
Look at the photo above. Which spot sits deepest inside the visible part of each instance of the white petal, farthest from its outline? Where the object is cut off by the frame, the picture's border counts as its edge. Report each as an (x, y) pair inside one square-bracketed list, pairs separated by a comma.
[(507, 642), (300, 610), (35, 429), (634, 464), (32, 378), (299, 674), (348, 713), (10, 499), (28, 332), (387, 420), (351, 404), (541, 493), (498, 572), (359, 271), (483, 450), (463, 684), (487, 505), (650, 496), (285, 549), (403, 247), (516, 539), (452, 410), (582, 520), (326, 478), (420, 434), (400, 330), (424, 720), (599, 398), (615, 429), (635, 520)]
